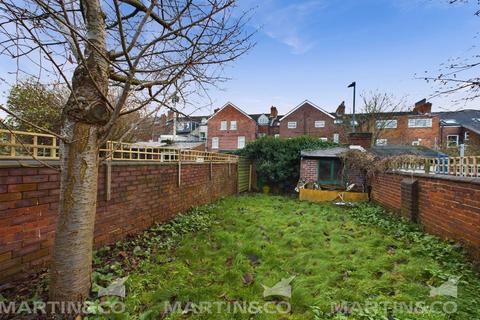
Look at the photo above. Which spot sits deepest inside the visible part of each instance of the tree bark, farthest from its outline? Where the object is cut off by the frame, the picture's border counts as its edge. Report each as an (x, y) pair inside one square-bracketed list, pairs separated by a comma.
[(83, 117), (72, 260)]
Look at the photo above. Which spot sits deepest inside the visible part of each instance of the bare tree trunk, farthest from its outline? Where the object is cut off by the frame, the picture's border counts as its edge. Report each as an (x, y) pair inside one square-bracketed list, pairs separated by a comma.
[(72, 261), (83, 117)]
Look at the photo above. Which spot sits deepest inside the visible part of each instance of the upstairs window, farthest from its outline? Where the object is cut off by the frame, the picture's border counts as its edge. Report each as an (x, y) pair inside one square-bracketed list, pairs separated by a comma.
[(467, 136), (233, 125), (223, 125), (263, 120), (338, 121), (386, 124), (292, 124), (420, 123), (319, 124), (381, 142)]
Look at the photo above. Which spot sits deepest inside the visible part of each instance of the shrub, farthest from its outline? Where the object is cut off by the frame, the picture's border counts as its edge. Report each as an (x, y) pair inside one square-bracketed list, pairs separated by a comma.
[(277, 160)]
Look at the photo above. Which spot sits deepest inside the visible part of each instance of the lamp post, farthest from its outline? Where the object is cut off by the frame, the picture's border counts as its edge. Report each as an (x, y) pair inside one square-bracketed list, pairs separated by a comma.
[(175, 99), (354, 86)]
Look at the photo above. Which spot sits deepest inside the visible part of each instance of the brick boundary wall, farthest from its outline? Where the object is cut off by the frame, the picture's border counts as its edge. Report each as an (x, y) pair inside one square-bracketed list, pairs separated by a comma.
[(141, 195), (447, 206)]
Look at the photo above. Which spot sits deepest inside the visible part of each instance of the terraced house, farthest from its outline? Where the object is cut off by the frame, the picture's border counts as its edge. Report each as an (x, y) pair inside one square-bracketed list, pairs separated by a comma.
[(230, 128)]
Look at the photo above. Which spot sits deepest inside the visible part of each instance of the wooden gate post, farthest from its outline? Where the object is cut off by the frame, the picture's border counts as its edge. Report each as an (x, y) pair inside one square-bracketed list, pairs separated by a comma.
[(250, 179)]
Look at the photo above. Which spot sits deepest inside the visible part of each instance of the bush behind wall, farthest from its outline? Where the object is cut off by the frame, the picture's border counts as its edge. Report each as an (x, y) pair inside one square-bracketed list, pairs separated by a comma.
[(277, 160)]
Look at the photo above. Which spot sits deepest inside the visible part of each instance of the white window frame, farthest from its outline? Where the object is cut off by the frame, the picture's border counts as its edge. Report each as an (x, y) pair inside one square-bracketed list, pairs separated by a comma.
[(416, 143), (215, 142), (223, 125), (386, 124), (233, 125), (240, 145), (292, 125), (381, 142), (414, 123), (319, 124), (336, 138), (338, 121), (263, 120), (456, 142), (466, 136)]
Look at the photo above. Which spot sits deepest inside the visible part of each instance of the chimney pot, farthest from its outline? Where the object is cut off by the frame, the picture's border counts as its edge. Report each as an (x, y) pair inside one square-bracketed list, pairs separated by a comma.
[(363, 139), (341, 109), (273, 112), (422, 107)]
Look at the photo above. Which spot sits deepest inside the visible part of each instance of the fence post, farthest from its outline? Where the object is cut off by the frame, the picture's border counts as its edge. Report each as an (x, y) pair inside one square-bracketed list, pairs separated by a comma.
[(12, 147), (35, 144), (427, 165), (250, 178), (179, 167), (108, 173)]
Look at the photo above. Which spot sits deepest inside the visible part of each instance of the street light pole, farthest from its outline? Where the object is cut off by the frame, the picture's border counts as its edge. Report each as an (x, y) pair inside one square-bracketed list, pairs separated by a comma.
[(354, 85)]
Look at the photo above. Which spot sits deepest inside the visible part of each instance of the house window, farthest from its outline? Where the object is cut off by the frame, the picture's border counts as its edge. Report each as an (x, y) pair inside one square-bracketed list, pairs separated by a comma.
[(319, 124), (381, 142), (386, 124), (263, 119), (223, 125), (233, 125), (336, 138), (215, 142), (467, 136), (419, 123), (338, 121), (241, 142), (452, 141), (323, 139), (292, 125), (416, 143)]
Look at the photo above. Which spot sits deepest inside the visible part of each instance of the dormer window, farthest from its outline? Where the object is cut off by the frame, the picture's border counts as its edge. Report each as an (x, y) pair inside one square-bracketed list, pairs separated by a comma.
[(263, 120)]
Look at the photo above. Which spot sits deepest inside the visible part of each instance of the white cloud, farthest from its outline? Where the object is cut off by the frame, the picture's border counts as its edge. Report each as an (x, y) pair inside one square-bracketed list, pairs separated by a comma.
[(288, 23)]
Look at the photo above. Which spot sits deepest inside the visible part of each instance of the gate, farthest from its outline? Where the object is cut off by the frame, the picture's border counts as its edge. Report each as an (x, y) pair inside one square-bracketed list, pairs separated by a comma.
[(244, 174)]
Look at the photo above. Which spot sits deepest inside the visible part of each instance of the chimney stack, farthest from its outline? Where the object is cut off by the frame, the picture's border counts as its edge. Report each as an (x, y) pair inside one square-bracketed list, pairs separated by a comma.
[(422, 107), (363, 139), (341, 109), (216, 110), (273, 112)]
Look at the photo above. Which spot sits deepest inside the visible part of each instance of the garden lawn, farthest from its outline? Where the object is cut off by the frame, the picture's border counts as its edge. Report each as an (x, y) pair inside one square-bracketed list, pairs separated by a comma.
[(240, 244)]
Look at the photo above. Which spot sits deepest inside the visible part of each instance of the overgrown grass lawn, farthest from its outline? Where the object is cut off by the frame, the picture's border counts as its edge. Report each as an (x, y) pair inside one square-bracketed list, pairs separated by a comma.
[(347, 263)]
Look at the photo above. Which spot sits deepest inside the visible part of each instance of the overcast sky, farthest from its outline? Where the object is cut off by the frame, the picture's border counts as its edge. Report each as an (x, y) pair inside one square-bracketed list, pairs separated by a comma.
[(312, 49)]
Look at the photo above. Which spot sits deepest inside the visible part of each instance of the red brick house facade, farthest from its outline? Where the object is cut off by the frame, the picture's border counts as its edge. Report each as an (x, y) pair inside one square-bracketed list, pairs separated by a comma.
[(230, 129), (309, 119)]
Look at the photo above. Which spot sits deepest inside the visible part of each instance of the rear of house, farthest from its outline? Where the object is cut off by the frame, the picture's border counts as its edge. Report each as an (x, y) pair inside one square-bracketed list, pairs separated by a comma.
[(230, 129), (308, 119)]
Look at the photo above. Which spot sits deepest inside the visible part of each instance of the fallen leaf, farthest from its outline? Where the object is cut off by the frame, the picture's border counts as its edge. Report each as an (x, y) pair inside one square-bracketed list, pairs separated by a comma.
[(247, 278)]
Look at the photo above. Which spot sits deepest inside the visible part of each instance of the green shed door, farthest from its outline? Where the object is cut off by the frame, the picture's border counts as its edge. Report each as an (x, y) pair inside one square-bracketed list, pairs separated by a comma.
[(329, 171)]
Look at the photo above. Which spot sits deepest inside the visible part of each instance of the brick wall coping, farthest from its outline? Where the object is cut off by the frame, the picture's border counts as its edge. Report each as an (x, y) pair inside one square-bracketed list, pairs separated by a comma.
[(56, 163), (471, 180)]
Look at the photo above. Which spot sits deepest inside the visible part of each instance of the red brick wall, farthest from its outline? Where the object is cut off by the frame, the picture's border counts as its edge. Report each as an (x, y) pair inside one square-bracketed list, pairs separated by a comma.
[(403, 135), (141, 196), (228, 139), (305, 116), (308, 169), (447, 206)]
